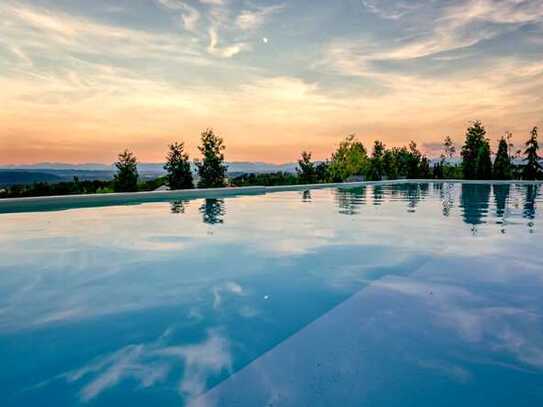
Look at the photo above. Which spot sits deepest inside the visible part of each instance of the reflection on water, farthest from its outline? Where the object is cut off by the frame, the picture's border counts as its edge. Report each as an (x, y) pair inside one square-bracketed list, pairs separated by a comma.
[(501, 196), (378, 195), (474, 199), (178, 207), (350, 200), (306, 196), (474, 202), (213, 211), (414, 193), (446, 194), (532, 193), (289, 302)]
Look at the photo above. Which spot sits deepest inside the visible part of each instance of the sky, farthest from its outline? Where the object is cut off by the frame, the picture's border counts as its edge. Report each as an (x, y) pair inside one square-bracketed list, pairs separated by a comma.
[(82, 80)]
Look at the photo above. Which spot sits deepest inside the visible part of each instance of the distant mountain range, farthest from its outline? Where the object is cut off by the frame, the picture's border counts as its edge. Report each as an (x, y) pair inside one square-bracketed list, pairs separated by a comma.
[(58, 172), (240, 166)]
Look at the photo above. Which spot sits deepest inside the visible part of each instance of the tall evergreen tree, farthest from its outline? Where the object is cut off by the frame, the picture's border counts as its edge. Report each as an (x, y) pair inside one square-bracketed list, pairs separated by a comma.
[(376, 167), (211, 168), (532, 168), (178, 169), (476, 162), (126, 179), (502, 163), (484, 162), (414, 159), (306, 169)]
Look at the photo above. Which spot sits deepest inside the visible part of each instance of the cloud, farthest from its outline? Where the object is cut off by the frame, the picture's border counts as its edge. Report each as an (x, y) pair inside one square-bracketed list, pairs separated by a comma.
[(151, 363), (226, 51), (448, 28), (229, 287), (49, 34), (390, 10), (190, 16), (476, 319), (254, 19), (72, 74)]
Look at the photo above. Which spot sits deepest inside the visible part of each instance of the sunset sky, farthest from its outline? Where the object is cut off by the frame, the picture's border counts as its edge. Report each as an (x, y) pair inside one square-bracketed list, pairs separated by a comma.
[(81, 80)]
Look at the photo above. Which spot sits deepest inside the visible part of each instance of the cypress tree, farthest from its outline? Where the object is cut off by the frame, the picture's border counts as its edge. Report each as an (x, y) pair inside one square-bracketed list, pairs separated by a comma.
[(178, 168), (484, 163), (211, 168), (126, 179), (532, 168), (502, 164), (476, 163)]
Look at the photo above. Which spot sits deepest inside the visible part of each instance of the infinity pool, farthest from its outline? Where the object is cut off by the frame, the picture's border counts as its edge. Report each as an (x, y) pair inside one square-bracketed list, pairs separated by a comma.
[(407, 295)]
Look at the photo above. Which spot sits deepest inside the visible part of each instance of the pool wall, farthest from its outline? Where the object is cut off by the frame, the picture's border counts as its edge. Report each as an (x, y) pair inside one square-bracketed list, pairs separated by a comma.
[(8, 205)]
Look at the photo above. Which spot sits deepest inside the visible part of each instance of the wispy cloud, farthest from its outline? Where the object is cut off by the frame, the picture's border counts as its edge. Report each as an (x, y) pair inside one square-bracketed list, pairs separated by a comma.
[(253, 19), (153, 362), (448, 28), (227, 51)]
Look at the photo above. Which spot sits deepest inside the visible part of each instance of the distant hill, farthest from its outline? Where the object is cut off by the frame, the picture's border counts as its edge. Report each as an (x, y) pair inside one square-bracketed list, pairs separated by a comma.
[(241, 166), (11, 177), (59, 172)]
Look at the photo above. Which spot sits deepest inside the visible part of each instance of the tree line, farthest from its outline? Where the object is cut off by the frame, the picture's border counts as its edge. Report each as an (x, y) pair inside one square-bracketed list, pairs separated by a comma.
[(350, 161), (211, 168)]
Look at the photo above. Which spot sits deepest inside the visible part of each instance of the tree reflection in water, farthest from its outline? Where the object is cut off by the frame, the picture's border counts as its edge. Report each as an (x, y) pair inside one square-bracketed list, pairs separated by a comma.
[(350, 200), (446, 194), (378, 195), (532, 193), (413, 194), (474, 201), (213, 211), (179, 207)]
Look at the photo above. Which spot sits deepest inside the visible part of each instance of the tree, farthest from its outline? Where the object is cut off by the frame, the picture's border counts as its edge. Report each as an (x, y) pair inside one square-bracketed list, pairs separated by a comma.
[(211, 168), (376, 168), (424, 168), (484, 163), (306, 169), (178, 168), (126, 179), (502, 163), (532, 168), (321, 171), (476, 163), (449, 149), (351, 158), (400, 161), (447, 168), (414, 159), (390, 166), (438, 170)]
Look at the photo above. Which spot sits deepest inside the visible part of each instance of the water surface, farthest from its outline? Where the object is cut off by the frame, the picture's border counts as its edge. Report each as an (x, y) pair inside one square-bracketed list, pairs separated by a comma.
[(416, 294)]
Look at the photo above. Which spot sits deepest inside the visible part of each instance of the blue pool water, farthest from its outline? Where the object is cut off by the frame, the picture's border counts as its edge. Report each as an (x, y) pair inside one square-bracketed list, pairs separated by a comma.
[(407, 295)]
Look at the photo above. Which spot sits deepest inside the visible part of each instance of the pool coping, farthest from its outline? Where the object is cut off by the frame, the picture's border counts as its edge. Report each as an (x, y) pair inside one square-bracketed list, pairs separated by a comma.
[(34, 203)]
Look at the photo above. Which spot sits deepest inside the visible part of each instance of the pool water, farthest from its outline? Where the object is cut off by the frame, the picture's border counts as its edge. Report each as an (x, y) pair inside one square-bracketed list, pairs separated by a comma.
[(405, 295)]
